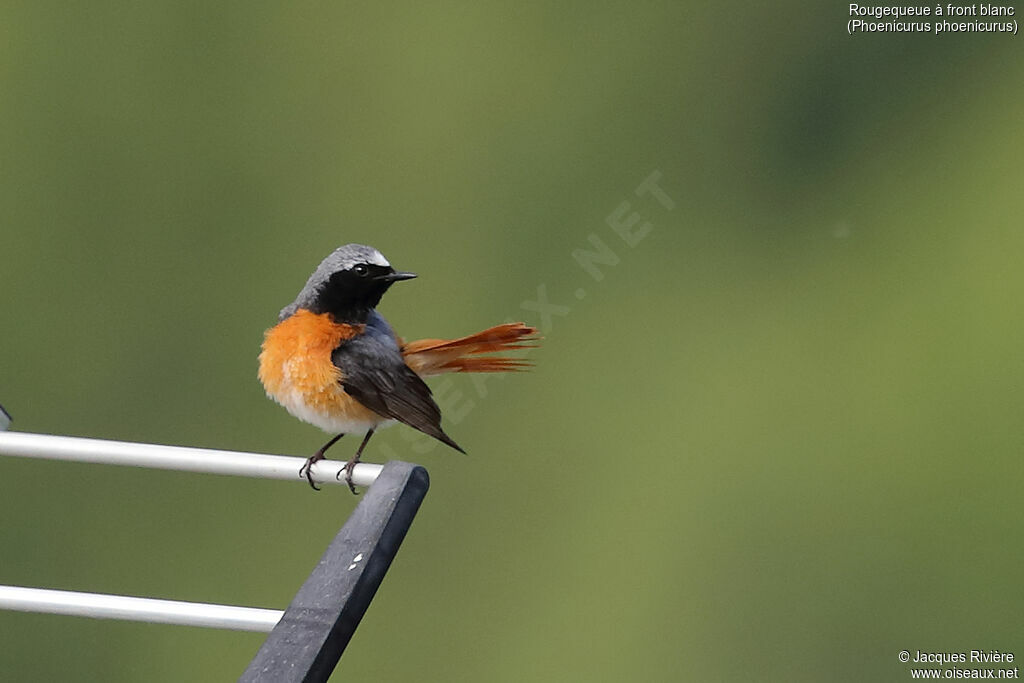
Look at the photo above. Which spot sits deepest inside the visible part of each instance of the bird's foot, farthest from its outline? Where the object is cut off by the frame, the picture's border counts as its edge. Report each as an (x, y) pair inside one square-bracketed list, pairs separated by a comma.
[(349, 467), (307, 469)]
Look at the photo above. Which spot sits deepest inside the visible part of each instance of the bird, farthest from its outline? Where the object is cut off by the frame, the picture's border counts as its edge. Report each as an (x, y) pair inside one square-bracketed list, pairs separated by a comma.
[(334, 362)]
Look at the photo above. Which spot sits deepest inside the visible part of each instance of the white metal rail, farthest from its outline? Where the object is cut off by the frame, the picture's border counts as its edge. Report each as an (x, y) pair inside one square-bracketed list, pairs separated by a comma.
[(100, 606), (205, 460)]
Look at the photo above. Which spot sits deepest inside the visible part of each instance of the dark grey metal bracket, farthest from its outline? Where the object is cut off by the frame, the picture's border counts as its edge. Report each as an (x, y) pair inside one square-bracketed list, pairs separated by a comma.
[(311, 636)]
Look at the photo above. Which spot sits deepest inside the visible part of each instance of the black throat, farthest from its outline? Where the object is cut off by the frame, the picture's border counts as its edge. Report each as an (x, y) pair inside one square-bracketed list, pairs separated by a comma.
[(349, 298)]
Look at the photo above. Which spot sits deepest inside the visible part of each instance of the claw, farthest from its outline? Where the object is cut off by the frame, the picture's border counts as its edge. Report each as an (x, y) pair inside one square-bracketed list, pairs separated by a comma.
[(350, 466), (307, 470), (348, 469)]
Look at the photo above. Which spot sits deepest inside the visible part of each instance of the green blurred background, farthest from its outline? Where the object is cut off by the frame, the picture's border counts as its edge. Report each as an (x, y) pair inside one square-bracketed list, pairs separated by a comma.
[(779, 439)]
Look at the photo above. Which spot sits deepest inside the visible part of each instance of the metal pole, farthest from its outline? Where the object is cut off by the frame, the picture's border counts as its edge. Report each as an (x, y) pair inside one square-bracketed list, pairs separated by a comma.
[(311, 636), (100, 606), (205, 460)]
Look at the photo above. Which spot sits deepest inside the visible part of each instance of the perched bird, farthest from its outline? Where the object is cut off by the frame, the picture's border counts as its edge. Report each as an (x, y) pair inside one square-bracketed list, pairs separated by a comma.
[(333, 361)]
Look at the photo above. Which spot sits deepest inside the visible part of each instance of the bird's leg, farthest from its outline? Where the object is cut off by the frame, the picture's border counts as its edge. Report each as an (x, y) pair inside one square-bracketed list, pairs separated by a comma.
[(351, 464), (316, 457)]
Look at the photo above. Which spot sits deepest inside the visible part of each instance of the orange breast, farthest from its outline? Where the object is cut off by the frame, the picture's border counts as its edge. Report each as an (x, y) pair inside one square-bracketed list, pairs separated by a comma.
[(297, 372)]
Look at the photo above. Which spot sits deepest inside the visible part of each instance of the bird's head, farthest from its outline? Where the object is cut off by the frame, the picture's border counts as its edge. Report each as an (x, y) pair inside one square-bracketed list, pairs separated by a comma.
[(347, 284)]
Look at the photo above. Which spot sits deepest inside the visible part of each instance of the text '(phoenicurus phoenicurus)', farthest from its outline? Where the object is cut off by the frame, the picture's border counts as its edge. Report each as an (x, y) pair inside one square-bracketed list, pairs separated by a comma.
[(333, 361)]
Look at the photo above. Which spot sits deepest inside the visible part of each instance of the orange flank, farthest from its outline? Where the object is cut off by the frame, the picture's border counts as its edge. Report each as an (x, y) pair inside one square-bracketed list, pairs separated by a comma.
[(437, 356), (297, 372)]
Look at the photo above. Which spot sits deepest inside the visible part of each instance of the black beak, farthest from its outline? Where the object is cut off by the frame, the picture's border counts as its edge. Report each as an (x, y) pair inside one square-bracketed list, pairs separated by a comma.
[(394, 276)]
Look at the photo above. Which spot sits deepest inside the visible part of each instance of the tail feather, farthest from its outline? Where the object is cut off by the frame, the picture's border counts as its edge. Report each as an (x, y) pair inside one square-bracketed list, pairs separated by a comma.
[(437, 356), (486, 365)]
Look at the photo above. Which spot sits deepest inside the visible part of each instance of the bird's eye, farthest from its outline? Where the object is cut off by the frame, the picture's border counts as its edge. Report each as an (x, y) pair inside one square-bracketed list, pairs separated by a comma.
[(361, 270)]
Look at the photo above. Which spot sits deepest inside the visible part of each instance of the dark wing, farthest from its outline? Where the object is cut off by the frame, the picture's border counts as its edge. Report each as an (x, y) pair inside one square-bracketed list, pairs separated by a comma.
[(375, 375)]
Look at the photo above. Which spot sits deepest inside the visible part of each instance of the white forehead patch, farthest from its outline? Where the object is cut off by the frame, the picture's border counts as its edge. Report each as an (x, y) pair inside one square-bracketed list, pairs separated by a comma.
[(351, 254), (376, 258)]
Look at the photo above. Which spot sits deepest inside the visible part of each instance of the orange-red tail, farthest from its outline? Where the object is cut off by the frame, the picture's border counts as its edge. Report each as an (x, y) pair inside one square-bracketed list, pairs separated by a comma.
[(436, 356)]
